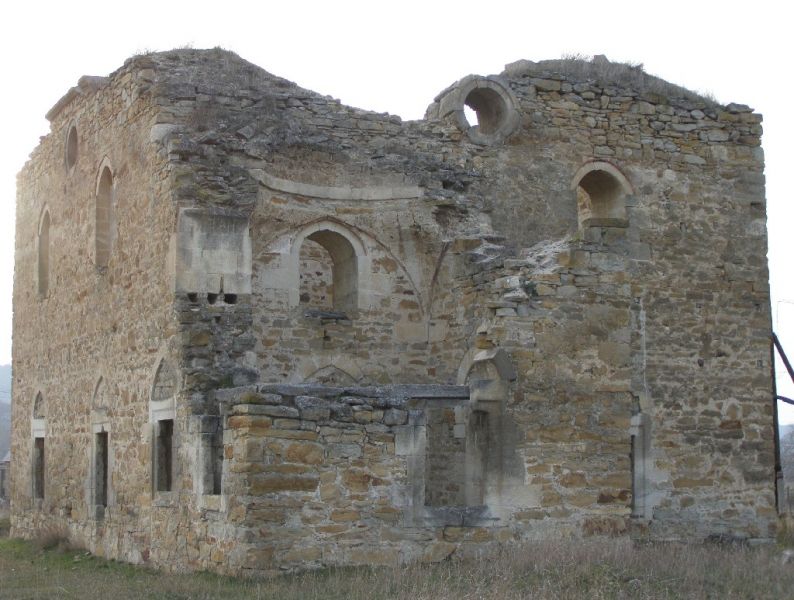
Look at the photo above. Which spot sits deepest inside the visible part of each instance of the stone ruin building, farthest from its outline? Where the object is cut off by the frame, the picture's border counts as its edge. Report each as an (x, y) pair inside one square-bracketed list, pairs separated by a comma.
[(257, 330)]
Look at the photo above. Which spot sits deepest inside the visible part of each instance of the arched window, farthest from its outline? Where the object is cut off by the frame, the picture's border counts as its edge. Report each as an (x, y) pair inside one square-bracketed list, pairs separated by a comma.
[(44, 254), (601, 191), (328, 272), (103, 235), (71, 147)]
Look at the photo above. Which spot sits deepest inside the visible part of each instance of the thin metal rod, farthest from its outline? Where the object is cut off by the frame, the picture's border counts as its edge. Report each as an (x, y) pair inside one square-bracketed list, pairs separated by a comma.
[(783, 356), (784, 399)]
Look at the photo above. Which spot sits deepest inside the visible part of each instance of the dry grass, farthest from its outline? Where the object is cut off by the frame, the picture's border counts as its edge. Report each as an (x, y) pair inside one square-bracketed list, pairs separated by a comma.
[(590, 569), (630, 75)]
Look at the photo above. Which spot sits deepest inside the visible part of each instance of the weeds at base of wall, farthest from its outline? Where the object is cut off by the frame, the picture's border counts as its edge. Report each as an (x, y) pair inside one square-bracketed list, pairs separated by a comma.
[(573, 569), (53, 539), (785, 536)]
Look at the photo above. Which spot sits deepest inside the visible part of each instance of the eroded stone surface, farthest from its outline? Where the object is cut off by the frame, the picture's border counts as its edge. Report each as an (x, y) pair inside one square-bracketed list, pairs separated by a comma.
[(558, 329)]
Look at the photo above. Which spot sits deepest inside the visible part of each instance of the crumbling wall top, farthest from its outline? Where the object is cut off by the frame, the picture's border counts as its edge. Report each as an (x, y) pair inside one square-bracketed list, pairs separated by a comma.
[(87, 84)]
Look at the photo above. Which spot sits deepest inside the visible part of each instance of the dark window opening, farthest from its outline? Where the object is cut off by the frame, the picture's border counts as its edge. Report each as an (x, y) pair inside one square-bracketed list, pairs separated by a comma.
[(192, 296), (101, 469), (217, 461), (164, 455), (38, 468), (212, 298), (230, 298)]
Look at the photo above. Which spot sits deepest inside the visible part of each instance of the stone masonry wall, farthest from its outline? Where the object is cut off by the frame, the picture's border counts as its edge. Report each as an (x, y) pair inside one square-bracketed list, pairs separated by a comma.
[(78, 345), (553, 323)]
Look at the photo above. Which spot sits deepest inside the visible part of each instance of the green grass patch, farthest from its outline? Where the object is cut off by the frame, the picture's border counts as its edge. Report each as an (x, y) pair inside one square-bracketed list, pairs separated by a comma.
[(596, 568)]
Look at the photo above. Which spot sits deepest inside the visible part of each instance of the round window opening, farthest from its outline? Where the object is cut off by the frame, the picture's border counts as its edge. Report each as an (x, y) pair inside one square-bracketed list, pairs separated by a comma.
[(485, 110), (71, 147)]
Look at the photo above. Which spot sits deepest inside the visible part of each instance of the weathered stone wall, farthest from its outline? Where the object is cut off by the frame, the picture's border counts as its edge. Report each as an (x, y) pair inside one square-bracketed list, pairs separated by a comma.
[(589, 260), (82, 345)]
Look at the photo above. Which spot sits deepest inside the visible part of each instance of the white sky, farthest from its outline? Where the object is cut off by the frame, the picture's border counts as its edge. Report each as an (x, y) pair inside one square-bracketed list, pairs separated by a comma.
[(396, 57)]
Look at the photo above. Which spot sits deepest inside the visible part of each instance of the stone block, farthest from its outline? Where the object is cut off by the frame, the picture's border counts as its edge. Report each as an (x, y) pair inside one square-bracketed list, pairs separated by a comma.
[(438, 551), (267, 484)]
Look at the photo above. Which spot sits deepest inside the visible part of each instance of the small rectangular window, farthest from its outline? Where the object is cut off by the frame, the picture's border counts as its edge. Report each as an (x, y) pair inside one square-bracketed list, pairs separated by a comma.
[(38, 468), (164, 450), (101, 469)]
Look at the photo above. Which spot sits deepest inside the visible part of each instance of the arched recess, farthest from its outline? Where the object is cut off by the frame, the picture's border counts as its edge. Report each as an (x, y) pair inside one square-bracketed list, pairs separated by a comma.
[(104, 215), (43, 266), (39, 408), (601, 191), (349, 268), (331, 375), (337, 369)]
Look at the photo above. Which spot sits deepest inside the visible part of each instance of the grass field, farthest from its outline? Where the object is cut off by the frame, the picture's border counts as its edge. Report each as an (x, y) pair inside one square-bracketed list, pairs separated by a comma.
[(591, 569)]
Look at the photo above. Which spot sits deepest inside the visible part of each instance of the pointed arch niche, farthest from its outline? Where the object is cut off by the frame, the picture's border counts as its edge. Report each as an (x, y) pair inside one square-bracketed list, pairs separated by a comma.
[(104, 215), (43, 265), (601, 193)]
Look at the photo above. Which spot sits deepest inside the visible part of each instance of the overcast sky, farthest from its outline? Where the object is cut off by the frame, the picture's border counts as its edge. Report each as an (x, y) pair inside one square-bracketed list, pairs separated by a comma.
[(395, 57)]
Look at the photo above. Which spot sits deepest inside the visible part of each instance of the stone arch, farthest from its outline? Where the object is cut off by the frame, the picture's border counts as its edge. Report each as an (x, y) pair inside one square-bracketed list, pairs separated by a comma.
[(488, 364), (104, 214), (337, 366), (350, 263), (490, 99), (99, 398), (39, 407), (43, 262), (164, 383), (601, 191), (331, 375)]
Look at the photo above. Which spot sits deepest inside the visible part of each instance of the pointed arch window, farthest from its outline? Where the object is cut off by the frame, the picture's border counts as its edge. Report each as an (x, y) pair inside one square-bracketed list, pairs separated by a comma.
[(104, 218), (43, 268)]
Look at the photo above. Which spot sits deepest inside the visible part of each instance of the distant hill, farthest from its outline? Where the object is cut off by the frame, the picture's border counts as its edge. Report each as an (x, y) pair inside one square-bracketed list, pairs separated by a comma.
[(5, 384), (5, 429), (5, 409)]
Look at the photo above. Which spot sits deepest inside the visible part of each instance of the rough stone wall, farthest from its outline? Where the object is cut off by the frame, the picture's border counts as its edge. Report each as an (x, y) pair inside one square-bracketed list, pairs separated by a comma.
[(82, 345), (589, 261)]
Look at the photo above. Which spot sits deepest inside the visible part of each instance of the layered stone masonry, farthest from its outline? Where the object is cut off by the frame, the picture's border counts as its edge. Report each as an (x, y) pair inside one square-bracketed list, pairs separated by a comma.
[(588, 261)]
